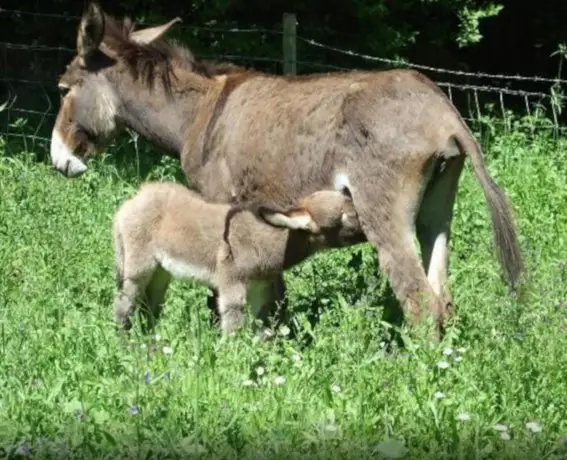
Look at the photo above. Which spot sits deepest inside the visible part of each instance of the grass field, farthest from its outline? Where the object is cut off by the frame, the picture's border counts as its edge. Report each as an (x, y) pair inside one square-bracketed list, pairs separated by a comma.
[(495, 388)]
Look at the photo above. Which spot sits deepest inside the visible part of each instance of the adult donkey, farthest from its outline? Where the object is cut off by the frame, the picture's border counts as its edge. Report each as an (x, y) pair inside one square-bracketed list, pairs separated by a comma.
[(391, 137)]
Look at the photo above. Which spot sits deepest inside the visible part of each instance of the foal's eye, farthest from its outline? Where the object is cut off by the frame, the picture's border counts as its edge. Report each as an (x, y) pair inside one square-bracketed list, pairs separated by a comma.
[(63, 90)]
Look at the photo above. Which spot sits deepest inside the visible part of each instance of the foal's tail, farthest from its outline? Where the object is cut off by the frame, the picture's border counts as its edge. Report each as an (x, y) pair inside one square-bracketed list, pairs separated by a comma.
[(118, 252), (505, 235)]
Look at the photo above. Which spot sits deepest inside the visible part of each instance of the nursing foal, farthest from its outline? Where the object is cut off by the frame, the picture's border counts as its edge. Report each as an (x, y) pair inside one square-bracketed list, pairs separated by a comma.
[(167, 231)]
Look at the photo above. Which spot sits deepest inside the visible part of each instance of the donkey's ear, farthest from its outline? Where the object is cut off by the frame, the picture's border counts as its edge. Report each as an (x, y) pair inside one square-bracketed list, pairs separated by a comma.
[(150, 34), (295, 219), (91, 29)]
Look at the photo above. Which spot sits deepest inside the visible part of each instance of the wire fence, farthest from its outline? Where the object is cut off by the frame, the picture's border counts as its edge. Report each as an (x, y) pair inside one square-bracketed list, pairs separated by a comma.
[(29, 71)]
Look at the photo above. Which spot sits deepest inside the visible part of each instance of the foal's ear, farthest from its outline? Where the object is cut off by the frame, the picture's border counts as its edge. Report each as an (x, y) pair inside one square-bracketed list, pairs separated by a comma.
[(150, 34), (294, 219), (91, 29)]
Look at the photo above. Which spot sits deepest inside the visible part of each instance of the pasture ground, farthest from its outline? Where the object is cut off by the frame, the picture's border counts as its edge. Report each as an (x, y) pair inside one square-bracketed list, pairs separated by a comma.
[(495, 388)]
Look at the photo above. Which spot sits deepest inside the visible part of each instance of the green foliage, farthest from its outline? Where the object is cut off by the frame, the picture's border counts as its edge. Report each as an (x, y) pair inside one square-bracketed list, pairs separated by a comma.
[(469, 32), (495, 389), (383, 27)]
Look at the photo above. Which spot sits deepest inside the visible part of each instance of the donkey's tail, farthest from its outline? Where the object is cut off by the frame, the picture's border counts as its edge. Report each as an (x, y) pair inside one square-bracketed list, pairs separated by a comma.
[(118, 252), (504, 230)]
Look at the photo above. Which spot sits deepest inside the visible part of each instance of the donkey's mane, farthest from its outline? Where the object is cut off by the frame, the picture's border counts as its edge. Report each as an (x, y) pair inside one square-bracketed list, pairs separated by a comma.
[(156, 60)]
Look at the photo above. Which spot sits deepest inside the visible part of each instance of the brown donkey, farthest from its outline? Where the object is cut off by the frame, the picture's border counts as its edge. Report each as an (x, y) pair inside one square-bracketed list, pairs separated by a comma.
[(392, 138), (166, 230)]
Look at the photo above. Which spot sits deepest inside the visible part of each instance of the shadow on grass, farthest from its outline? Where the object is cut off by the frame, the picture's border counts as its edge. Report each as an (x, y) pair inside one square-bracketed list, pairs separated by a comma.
[(364, 290)]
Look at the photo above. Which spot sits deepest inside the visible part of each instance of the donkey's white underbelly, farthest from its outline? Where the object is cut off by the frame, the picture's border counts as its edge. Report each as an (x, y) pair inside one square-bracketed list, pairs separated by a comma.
[(181, 269)]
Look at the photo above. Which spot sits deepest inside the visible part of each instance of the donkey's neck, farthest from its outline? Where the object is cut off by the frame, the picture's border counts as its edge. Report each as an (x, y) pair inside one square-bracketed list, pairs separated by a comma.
[(160, 120)]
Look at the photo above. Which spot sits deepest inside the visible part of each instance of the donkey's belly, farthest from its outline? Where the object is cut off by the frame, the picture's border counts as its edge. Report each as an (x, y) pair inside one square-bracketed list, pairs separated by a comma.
[(256, 186), (185, 270)]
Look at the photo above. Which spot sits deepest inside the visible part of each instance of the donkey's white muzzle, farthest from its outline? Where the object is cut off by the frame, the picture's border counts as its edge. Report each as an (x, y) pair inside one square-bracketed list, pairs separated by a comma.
[(62, 158)]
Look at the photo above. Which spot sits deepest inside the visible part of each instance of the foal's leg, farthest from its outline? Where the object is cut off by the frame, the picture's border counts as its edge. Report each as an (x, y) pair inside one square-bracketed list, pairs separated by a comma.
[(138, 269), (231, 306), (433, 226), (267, 299), (125, 302)]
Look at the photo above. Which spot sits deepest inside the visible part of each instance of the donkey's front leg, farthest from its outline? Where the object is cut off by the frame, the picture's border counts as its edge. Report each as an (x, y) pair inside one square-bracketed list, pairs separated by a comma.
[(231, 306), (267, 299)]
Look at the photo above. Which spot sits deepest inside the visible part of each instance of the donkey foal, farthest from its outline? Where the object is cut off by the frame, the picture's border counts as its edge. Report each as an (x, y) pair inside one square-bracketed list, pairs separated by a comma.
[(167, 231)]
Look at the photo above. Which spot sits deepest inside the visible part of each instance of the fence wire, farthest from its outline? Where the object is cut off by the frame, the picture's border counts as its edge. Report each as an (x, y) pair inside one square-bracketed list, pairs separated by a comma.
[(29, 97)]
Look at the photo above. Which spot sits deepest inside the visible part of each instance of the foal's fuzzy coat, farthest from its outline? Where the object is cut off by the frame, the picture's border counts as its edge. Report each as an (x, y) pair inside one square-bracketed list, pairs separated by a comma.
[(168, 231)]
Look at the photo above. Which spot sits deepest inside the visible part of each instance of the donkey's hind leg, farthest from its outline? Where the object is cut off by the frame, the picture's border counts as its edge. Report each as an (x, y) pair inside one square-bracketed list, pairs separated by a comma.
[(138, 269), (125, 302), (386, 209), (433, 225), (154, 299)]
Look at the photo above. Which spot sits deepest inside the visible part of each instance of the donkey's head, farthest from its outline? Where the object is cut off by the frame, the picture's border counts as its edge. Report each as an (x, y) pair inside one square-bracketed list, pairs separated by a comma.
[(90, 101), (329, 215)]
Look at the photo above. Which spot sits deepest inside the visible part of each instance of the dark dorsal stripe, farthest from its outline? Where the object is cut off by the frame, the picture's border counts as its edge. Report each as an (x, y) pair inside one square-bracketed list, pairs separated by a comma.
[(232, 82)]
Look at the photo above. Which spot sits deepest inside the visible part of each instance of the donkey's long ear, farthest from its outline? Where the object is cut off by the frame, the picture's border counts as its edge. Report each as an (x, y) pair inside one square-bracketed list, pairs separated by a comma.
[(91, 29), (295, 219), (150, 34)]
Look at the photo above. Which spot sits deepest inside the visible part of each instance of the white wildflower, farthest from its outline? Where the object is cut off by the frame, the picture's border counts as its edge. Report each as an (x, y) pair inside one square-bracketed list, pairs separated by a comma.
[(267, 333), (463, 416), (505, 436), (500, 427), (167, 350), (331, 427), (442, 364), (534, 427), (279, 380), (284, 330), (157, 337), (335, 389), (260, 370), (295, 357), (248, 383), (439, 395), (458, 359), (461, 350), (447, 351)]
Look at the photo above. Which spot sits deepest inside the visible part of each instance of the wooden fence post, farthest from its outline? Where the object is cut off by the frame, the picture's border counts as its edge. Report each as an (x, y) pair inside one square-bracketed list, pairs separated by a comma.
[(289, 44)]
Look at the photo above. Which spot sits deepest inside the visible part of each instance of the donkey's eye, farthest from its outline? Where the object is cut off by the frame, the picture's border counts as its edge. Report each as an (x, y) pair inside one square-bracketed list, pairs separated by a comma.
[(63, 90)]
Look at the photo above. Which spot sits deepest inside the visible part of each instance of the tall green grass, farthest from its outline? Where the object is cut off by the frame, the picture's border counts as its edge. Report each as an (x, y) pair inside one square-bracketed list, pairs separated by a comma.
[(495, 388)]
